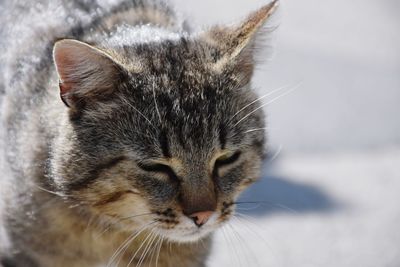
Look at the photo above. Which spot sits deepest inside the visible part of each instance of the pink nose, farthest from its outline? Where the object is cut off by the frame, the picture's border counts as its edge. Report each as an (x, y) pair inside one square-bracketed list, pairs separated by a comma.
[(201, 217)]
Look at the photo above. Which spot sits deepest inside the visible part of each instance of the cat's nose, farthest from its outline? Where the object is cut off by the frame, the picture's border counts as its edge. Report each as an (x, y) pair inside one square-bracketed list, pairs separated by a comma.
[(201, 217)]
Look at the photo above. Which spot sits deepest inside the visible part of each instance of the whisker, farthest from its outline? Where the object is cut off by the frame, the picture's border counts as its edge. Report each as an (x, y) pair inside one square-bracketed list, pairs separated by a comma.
[(240, 216), (268, 203), (202, 243), (252, 208), (258, 99), (276, 154), (147, 248), (245, 241), (108, 227), (227, 241), (126, 243), (61, 195), (91, 219), (257, 235), (170, 247), (277, 259), (49, 191), (155, 103), (140, 113), (136, 215), (256, 129), (120, 248), (154, 250), (265, 104), (235, 237), (235, 250), (141, 245), (159, 250)]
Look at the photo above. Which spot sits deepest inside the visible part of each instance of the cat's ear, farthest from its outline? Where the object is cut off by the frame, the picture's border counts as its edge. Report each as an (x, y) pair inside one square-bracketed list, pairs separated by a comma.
[(236, 43), (85, 72)]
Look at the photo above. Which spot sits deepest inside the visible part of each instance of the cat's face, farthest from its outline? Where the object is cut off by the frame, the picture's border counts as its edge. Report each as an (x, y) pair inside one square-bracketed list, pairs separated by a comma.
[(166, 143)]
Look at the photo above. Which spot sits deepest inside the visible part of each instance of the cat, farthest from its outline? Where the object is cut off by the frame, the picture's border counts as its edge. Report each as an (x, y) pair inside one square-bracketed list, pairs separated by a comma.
[(126, 138)]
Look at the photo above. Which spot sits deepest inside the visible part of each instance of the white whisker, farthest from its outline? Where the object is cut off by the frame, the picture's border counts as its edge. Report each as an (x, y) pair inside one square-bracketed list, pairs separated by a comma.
[(170, 247), (140, 113), (269, 102), (227, 242), (252, 208), (242, 242), (234, 237), (257, 129), (155, 103), (159, 251), (147, 248), (258, 236), (140, 247), (119, 249), (108, 227), (258, 99), (276, 154), (126, 243), (154, 250), (49, 191), (234, 249), (202, 244)]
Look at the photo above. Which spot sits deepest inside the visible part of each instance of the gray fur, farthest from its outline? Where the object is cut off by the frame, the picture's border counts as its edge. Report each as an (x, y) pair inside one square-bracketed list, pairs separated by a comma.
[(72, 171)]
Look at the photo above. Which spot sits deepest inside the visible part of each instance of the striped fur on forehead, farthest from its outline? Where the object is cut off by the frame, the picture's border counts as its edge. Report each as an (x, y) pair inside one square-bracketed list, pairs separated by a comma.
[(176, 83), (184, 109)]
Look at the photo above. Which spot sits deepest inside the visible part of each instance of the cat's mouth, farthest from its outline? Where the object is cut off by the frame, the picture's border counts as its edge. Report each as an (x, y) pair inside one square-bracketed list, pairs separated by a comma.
[(182, 234), (175, 225), (185, 230)]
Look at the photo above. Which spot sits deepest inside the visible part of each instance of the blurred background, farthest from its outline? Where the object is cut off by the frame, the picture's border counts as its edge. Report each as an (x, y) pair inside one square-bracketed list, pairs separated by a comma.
[(330, 190)]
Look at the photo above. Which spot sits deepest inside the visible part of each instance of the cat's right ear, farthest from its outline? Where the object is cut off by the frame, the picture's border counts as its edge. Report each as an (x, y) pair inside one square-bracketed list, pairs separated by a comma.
[(236, 44), (85, 72)]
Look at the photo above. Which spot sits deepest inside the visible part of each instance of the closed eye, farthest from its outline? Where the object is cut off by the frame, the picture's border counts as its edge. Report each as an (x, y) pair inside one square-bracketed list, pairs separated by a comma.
[(159, 168), (226, 160)]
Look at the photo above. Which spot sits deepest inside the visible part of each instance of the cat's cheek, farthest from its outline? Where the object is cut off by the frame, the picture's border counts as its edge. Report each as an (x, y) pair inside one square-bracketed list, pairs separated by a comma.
[(127, 208), (251, 172), (244, 184)]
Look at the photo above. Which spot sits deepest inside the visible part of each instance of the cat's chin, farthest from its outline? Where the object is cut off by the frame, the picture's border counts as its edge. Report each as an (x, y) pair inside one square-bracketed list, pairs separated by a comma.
[(186, 235)]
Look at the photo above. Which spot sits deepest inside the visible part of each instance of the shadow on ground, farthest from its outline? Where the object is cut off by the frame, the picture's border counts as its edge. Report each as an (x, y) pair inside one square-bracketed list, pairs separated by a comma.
[(273, 194)]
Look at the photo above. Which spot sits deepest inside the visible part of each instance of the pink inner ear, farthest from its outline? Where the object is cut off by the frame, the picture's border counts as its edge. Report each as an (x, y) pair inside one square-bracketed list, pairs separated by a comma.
[(63, 88), (62, 62), (65, 55), (63, 91)]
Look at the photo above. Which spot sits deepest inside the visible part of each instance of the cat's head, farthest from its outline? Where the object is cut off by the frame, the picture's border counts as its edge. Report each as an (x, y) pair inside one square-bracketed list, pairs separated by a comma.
[(160, 134)]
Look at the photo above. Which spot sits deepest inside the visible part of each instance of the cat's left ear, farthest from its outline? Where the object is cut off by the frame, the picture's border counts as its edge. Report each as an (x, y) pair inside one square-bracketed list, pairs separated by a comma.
[(86, 73), (236, 43)]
